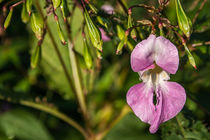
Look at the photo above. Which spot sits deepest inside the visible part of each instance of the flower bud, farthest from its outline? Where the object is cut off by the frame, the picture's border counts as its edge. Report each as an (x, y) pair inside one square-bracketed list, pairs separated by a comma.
[(8, 19), (36, 57), (93, 8), (121, 44), (190, 57), (60, 32), (130, 46), (65, 9), (56, 3), (93, 31), (99, 55), (37, 25), (123, 36), (29, 6), (103, 21), (86, 55), (24, 14), (120, 32), (133, 32), (184, 22)]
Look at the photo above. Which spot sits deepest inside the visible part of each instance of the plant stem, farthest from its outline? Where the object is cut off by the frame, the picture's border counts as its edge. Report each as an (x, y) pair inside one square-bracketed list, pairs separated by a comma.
[(77, 81), (76, 73), (57, 50), (16, 4), (51, 111), (77, 86), (123, 112), (200, 44)]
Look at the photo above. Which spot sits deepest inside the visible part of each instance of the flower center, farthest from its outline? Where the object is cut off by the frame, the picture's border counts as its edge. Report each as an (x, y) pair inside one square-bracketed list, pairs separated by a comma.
[(154, 76)]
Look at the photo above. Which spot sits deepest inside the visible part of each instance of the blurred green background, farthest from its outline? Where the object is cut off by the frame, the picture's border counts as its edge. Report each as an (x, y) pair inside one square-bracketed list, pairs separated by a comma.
[(106, 90)]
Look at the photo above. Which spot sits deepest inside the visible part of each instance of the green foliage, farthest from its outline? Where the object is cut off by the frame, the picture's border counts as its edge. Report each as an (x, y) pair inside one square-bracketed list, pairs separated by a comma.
[(51, 65), (181, 128), (104, 85), (130, 128), (23, 125)]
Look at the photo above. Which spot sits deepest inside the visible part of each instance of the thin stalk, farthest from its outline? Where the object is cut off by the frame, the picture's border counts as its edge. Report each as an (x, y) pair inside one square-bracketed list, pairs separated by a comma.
[(76, 73), (76, 87), (199, 10), (53, 112), (147, 7), (16, 4), (201, 44), (77, 80)]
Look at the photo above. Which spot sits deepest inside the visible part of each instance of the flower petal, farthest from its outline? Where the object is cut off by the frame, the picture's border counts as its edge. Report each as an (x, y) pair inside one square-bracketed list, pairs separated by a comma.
[(140, 99), (166, 55), (142, 55), (171, 99), (108, 9), (104, 37)]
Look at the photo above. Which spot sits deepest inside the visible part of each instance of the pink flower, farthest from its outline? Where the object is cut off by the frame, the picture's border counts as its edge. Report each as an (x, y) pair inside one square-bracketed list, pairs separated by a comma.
[(108, 9), (155, 59), (104, 37)]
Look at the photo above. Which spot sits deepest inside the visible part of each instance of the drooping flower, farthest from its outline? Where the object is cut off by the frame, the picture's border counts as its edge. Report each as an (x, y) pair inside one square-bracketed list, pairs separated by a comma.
[(155, 100)]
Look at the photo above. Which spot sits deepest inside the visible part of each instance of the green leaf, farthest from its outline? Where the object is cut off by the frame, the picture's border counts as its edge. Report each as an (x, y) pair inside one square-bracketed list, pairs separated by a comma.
[(50, 64), (23, 125), (131, 128)]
